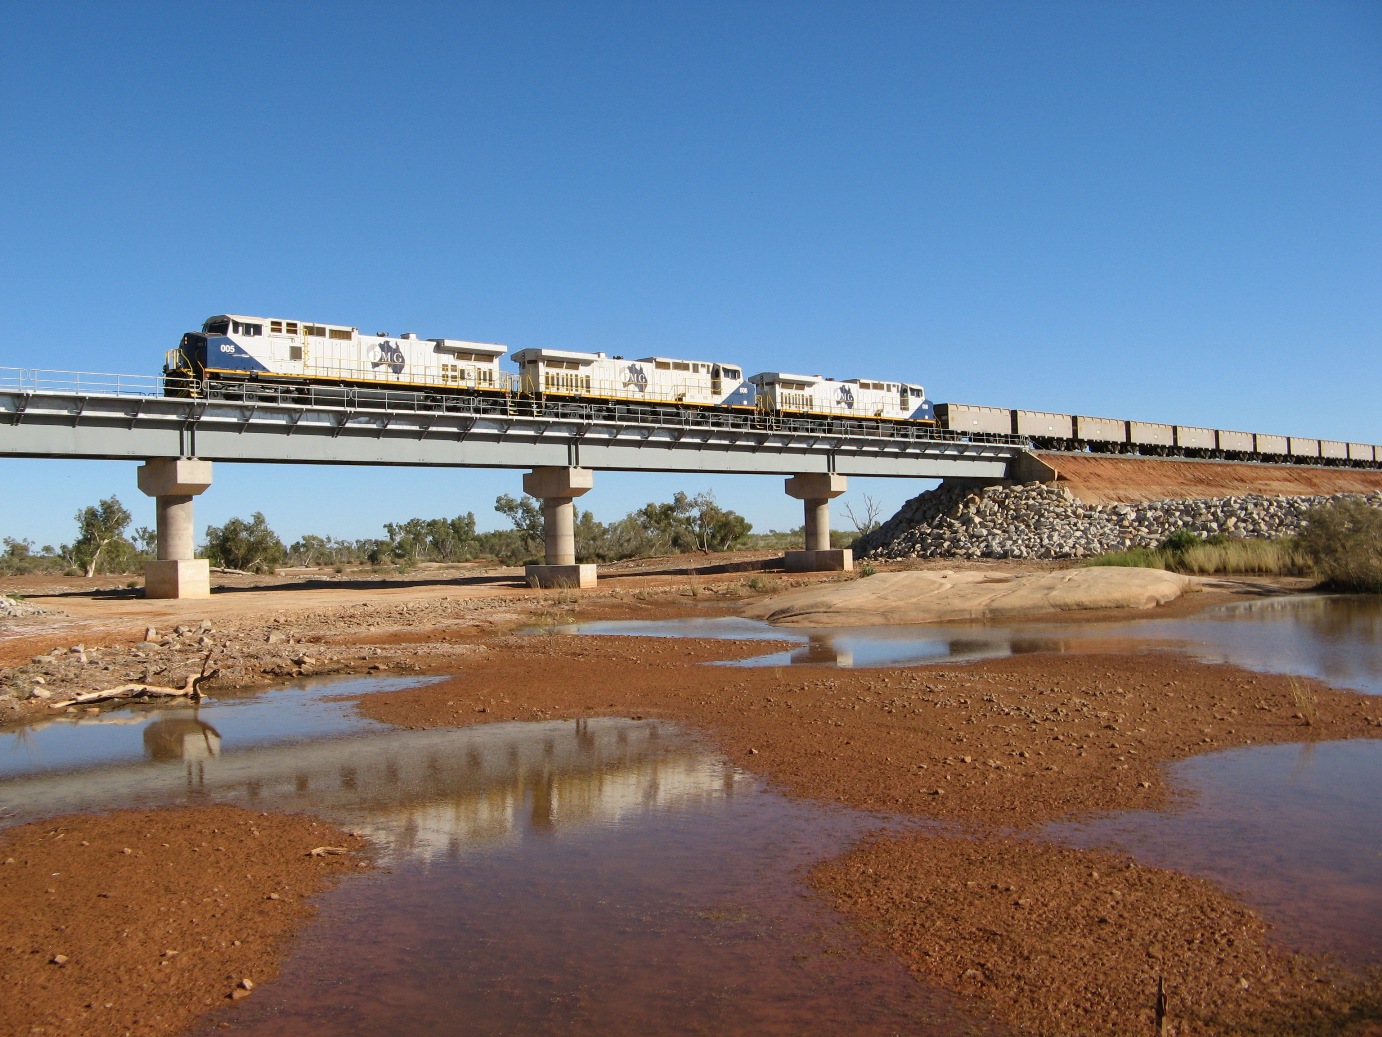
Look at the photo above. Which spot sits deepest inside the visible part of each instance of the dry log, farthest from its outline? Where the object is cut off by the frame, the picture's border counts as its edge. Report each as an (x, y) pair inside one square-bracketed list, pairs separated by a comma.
[(190, 690)]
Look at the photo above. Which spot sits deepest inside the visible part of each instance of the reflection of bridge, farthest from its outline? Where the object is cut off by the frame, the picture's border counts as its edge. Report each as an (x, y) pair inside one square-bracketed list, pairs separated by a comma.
[(125, 417), (418, 792)]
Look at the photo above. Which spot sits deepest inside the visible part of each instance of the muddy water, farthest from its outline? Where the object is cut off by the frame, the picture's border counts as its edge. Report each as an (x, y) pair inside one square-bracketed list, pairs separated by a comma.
[(605, 876), (1293, 830), (612, 876), (1337, 639)]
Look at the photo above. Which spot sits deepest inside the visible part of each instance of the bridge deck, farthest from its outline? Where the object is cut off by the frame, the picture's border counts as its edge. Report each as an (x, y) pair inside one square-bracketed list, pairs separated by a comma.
[(398, 429)]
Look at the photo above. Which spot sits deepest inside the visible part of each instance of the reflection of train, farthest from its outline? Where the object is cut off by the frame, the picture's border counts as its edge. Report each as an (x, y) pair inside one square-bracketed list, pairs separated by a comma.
[(1114, 435), (239, 357), (236, 357)]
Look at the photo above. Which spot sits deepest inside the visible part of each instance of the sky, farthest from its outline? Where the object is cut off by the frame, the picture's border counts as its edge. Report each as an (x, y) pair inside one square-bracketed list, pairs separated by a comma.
[(1166, 211)]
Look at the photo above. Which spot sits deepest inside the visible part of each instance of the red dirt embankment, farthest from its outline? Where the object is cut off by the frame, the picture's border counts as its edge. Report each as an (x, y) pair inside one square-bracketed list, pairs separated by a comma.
[(1107, 480)]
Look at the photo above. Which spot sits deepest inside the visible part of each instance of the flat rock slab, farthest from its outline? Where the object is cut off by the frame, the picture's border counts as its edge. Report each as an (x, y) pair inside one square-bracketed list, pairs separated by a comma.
[(929, 597)]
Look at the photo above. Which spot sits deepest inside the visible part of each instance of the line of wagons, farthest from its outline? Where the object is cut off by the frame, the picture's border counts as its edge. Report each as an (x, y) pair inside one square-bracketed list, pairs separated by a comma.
[(1050, 431), (235, 356)]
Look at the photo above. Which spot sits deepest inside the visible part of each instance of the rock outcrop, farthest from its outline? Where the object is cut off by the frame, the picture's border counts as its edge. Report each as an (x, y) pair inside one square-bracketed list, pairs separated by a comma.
[(935, 597)]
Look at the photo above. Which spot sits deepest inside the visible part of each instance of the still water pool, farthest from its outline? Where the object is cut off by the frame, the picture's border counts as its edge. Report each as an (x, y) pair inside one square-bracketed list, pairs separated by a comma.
[(1335, 638), (615, 876)]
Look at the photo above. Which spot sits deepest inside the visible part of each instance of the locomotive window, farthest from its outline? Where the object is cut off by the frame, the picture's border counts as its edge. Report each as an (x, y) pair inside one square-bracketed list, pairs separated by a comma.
[(241, 328), (275, 327), (663, 365), (216, 327), (680, 365), (316, 330), (340, 334), (733, 372), (290, 327)]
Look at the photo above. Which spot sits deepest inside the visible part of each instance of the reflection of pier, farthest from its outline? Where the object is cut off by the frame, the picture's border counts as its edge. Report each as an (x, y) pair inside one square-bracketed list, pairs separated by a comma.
[(823, 650), (422, 792), (846, 650), (181, 738)]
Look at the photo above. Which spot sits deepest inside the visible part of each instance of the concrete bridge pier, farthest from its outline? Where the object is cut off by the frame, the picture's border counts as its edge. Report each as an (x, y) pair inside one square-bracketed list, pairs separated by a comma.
[(557, 488), (815, 490), (173, 482)]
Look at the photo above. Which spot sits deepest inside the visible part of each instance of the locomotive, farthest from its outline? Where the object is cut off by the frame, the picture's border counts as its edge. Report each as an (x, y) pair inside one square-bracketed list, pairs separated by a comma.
[(234, 356)]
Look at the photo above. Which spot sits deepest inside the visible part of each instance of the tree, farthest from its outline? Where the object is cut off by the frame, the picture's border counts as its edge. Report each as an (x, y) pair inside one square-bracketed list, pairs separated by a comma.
[(691, 524), (407, 540), (451, 540), (715, 528), (146, 540), (251, 546), (869, 520), (310, 550), (101, 531)]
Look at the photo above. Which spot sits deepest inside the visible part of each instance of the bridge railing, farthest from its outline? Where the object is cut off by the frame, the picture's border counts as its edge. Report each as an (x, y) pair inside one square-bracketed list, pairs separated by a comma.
[(83, 383), (386, 400)]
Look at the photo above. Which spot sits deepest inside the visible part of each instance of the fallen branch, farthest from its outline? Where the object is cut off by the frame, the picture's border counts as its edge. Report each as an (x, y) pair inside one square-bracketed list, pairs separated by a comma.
[(190, 690)]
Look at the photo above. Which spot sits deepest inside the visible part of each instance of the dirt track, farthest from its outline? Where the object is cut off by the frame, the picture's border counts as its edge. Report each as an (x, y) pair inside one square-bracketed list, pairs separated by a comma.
[(996, 745)]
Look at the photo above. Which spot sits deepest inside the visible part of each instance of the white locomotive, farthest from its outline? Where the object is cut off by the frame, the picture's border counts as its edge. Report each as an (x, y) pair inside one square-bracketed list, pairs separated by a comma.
[(235, 348), (233, 355), (853, 397), (652, 379)]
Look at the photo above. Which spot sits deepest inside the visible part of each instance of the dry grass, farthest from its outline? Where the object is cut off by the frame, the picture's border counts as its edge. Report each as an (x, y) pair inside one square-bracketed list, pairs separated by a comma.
[(1202, 558)]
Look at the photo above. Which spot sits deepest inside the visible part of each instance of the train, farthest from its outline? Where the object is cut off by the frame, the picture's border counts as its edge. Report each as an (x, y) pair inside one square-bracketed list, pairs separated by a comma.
[(239, 357)]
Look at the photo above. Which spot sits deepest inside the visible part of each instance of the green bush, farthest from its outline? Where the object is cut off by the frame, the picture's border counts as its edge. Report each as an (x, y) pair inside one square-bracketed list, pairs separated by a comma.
[(1343, 539), (250, 546)]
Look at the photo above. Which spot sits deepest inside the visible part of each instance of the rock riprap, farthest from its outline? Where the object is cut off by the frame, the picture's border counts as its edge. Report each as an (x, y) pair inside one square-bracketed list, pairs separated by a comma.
[(959, 520)]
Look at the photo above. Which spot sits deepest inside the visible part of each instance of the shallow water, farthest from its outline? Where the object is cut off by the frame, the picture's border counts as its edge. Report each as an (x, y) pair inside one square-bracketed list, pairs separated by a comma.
[(614, 876), (1337, 639), (1293, 830), (601, 876)]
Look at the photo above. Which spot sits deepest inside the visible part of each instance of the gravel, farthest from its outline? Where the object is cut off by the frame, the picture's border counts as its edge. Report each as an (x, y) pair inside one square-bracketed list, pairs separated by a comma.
[(966, 520)]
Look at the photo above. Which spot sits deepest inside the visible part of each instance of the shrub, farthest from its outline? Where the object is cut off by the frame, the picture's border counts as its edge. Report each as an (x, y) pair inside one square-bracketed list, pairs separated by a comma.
[(1344, 541)]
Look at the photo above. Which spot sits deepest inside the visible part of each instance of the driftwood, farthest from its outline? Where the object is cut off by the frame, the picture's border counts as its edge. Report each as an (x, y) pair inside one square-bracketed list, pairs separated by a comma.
[(190, 690)]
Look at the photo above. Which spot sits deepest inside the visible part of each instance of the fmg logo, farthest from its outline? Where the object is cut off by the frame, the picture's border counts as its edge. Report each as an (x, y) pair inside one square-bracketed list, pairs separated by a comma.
[(388, 354)]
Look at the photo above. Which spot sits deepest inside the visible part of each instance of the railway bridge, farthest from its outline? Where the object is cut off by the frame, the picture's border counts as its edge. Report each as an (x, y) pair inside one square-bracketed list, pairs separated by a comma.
[(178, 442)]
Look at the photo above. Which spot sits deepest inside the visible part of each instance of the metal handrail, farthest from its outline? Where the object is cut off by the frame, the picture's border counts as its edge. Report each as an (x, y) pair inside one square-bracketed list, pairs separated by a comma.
[(383, 400), (86, 383)]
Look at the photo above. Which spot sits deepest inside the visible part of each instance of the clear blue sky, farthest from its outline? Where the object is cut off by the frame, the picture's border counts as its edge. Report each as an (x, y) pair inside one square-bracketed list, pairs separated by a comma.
[(1169, 211)]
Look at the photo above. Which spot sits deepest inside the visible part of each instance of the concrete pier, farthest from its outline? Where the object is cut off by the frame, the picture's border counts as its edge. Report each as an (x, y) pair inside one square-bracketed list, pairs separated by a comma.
[(557, 488), (815, 490), (173, 482)]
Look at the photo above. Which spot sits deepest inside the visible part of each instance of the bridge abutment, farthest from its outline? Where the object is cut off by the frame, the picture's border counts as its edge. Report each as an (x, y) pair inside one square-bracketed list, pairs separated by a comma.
[(557, 488), (815, 490), (173, 482)]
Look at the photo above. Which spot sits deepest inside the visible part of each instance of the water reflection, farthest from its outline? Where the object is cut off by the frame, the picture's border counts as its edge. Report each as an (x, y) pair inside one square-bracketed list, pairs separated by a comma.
[(601, 876), (1335, 638), (181, 738), (423, 793)]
